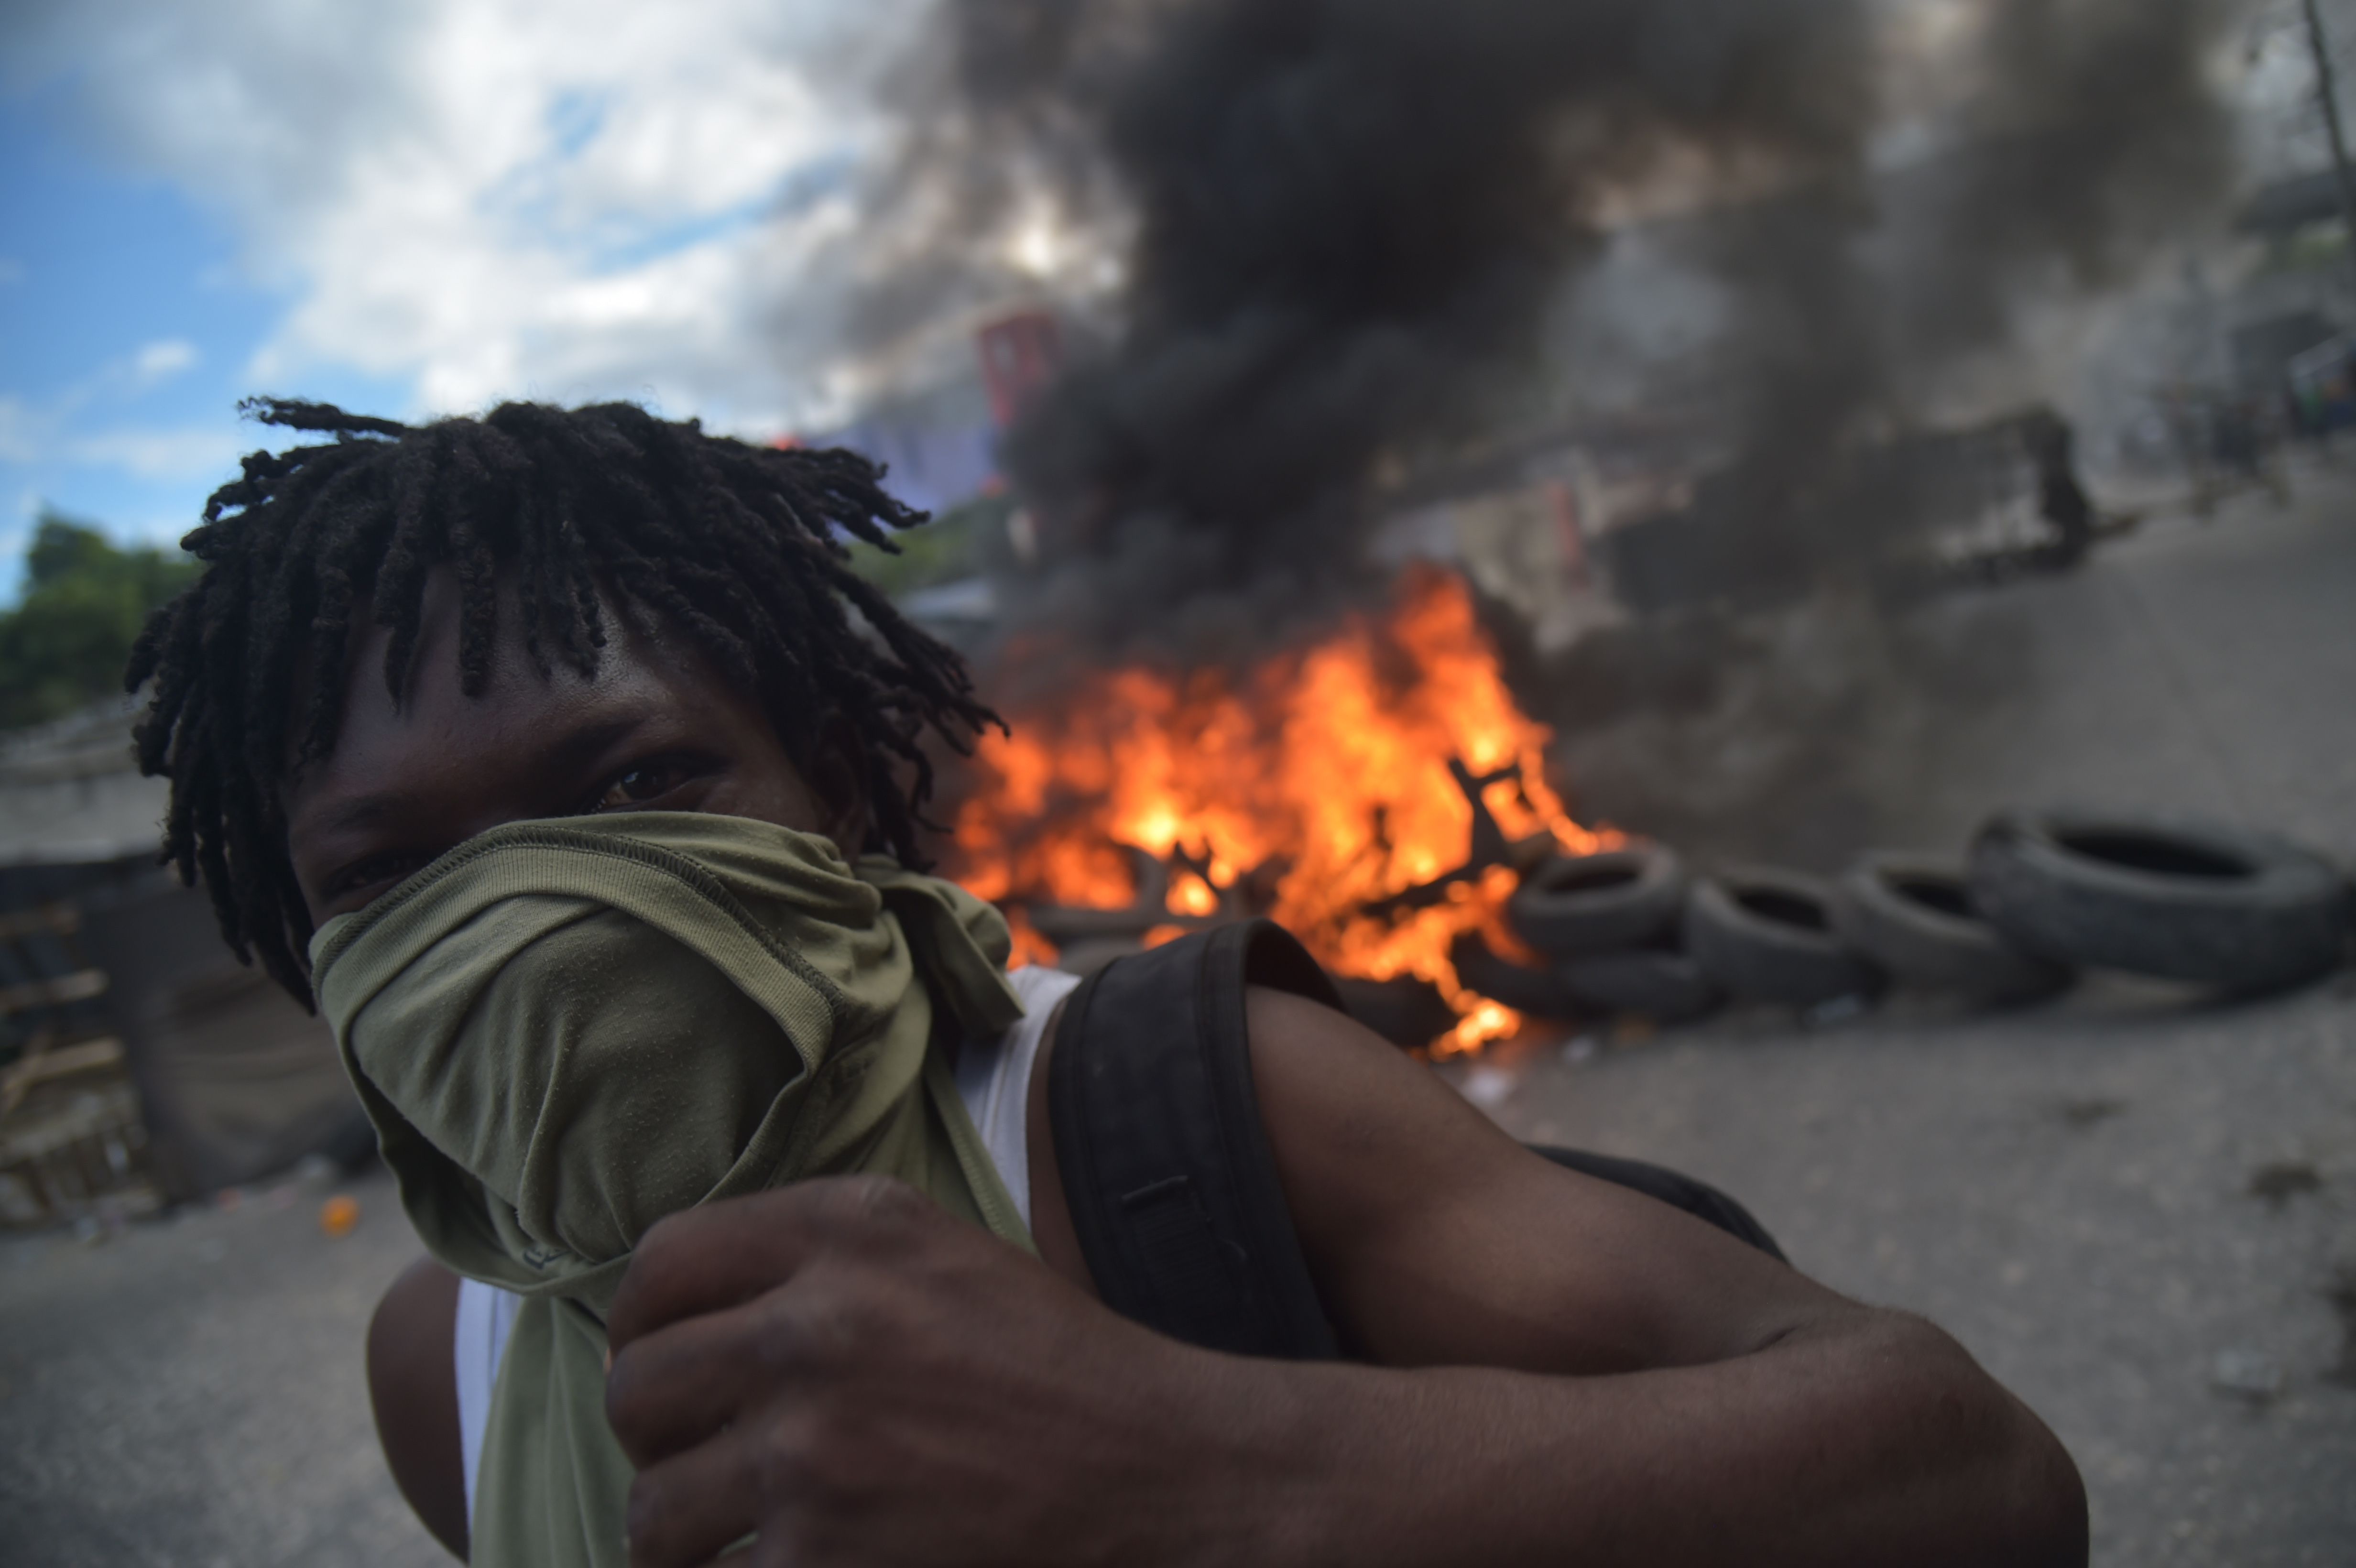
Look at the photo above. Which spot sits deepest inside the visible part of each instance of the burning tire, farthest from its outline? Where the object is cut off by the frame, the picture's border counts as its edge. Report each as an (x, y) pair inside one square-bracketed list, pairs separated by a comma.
[(1914, 917), (1767, 936), (2194, 903), (1593, 904), (1511, 984), (1659, 983)]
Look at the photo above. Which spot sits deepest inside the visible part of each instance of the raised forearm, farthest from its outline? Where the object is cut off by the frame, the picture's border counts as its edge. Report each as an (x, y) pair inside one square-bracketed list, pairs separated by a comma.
[(845, 1371), (1871, 1439)]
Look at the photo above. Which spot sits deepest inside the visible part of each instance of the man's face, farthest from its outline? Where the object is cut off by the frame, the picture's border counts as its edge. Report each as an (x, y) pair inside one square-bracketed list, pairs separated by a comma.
[(654, 730)]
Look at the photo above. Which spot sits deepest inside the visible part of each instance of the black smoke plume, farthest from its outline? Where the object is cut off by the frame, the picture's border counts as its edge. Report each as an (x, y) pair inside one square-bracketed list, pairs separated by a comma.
[(2090, 137), (1347, 223)]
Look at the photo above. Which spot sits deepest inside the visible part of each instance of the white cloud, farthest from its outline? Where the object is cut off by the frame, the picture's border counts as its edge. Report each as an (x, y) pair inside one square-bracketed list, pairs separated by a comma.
[(501, 197), (199, 452), (160, 362), (190, 452), (53, 429), (21, 429)]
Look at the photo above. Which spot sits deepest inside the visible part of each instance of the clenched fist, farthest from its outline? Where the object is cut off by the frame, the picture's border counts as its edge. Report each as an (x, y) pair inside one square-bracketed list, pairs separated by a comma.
[(845, 1373)]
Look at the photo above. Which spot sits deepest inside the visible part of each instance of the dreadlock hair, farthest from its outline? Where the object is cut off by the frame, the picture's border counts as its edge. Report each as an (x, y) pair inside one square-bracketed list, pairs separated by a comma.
[(736, 547)]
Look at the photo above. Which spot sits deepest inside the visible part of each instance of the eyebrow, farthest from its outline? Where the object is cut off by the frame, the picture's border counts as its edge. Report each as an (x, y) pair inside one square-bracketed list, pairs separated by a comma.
[(361, 812), (571, 748)]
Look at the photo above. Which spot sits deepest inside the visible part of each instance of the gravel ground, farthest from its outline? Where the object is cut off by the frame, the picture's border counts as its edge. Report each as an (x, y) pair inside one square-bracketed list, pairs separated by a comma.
[(2136, 1209), (2124, 1206), (190, 1391)]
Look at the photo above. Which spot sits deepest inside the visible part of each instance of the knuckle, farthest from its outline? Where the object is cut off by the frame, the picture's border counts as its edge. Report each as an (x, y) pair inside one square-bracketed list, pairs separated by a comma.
[(659, 1246), (875, 1219), (816, 1331), (626, 1400), (868, 1203), (636, 1416), (652, 1520), (787, 1463), (778, 1346), (895, 1199)]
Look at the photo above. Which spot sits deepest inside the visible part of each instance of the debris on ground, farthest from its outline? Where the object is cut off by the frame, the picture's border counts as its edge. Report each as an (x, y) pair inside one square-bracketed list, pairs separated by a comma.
[(338, 1215), (2246, 1374)]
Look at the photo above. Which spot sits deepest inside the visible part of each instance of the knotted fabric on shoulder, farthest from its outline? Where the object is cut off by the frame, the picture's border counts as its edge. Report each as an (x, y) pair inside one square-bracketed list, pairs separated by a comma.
[(1168, 1173)]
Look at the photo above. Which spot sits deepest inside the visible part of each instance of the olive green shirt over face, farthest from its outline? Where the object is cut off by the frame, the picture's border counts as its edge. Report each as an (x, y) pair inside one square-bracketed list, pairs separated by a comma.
[(565, 1030)]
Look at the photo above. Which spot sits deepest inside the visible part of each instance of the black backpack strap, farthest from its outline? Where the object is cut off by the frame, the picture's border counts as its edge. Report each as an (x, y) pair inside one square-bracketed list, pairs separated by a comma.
[(1676, 1189), (1167, 1171)]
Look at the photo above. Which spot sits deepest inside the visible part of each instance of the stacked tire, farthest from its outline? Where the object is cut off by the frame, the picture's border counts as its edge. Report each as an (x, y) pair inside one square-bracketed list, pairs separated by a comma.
[(2041, 896), (2230, 911), (1610, 927), (1918, 919), (1768, 935), (2045, 894), (1629, 932)]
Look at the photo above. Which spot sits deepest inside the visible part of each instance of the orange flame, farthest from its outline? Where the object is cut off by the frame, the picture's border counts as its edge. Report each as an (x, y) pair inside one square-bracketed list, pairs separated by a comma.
[(1320, 779)]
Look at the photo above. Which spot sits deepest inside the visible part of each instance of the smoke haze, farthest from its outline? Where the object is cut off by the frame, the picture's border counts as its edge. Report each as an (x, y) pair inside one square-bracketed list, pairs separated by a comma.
[(1346, 227)]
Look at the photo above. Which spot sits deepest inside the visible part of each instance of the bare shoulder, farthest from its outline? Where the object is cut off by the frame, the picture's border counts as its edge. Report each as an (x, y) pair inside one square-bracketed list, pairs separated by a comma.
[(1437, 1239)]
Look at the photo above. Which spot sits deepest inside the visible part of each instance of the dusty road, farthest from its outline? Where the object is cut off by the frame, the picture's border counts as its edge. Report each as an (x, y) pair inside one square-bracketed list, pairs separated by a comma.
[(2138, 1211), (2110, 1202), (190, 1393)]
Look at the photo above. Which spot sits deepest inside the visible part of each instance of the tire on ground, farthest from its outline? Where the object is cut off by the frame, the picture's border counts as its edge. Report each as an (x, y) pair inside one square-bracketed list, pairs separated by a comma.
[(1914, 915), (1767, 936), (1592, 903), (1660, 982), (2197, 903), (1512, 985)]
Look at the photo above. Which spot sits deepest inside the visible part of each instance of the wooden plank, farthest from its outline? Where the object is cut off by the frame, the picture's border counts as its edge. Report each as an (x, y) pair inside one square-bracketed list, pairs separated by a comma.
[(79, 987), (64, 1061), (68, 1059), (59, 919)]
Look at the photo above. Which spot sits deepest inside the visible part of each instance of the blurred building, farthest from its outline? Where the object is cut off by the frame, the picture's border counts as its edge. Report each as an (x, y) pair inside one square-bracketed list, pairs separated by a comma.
[(937, 443), (140, 1064), (1020, 356), (2282, 323)]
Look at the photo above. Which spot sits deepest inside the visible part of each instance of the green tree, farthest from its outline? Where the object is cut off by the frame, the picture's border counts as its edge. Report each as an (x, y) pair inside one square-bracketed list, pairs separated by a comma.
[(85, 599), (947, 548)]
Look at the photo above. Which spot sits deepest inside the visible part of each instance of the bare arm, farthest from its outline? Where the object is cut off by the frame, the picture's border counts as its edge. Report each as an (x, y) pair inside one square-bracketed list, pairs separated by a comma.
[(413, 1390), (1574, 1371), (1708, 1404)]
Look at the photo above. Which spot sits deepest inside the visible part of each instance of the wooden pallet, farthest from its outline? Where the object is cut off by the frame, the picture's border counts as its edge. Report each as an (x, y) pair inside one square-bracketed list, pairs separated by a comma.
[(72, 1141)]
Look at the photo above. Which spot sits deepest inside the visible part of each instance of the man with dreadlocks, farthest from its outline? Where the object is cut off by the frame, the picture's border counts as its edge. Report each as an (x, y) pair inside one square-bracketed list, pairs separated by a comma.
[(560, 756)]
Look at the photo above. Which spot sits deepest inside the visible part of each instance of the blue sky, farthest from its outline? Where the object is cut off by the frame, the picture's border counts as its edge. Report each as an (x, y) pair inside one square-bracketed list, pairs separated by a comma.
[(127, 334), (414, 209)]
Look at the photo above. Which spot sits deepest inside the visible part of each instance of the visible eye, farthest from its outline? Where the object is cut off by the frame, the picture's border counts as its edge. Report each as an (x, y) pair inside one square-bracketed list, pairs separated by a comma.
[(376, 871), (647, 782)]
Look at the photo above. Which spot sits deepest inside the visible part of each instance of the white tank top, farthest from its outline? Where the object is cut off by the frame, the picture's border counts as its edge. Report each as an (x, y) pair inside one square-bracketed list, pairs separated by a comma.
[(993, 1079)]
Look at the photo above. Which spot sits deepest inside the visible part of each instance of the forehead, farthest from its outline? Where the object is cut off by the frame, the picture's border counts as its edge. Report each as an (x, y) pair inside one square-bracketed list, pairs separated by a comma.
[(436, 724)]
